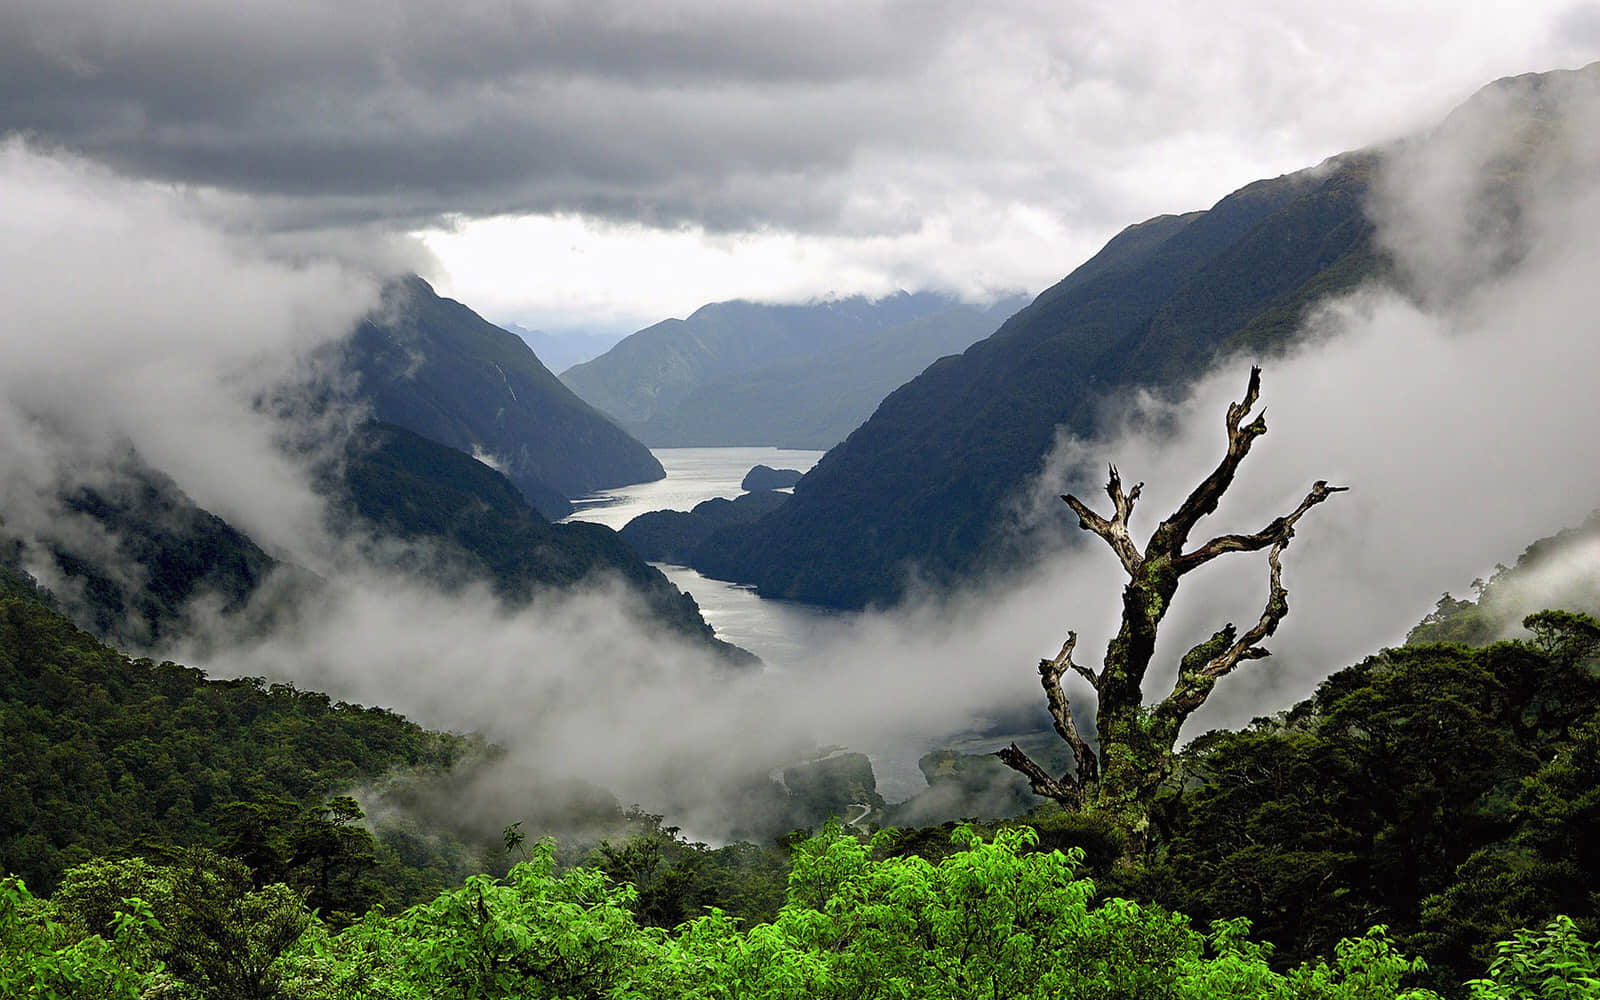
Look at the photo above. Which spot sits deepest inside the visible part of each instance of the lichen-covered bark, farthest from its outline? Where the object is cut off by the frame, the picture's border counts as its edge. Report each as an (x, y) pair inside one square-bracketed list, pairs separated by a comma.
[(1137, 742)]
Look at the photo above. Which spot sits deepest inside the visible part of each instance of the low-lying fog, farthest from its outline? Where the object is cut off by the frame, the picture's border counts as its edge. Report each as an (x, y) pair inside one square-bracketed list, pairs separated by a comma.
[(1461, 418)]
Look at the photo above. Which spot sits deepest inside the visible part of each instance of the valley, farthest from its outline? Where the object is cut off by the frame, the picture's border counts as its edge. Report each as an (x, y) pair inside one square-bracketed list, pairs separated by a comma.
[(347, 649), (781, 633)]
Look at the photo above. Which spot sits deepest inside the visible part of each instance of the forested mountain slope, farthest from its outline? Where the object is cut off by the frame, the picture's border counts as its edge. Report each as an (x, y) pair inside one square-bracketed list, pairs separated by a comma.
[(476, 526), (133, 559), (1554, 572), (103, 752), (925, 488), (1445, 791), (433, 366), (925, 481), (128, 556)]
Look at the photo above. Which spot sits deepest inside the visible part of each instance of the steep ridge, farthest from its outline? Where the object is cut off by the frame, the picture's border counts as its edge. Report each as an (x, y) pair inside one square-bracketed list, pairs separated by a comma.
[(923, 485), (433, 366), (407, 487), (1552, 572), (128, 557), (924, 488), (134, 559)]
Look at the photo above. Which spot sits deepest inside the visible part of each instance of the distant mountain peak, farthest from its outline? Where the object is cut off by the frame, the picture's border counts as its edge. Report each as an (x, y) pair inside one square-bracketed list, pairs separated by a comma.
[(435, 367), (645, 379)]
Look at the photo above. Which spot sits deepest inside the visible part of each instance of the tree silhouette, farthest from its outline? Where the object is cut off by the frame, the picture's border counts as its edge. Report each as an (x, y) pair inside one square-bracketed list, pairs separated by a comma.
[(1136, 744)]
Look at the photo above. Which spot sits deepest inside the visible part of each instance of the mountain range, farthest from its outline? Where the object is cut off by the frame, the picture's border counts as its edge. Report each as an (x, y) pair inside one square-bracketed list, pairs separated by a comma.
[(791, 376), (925, 481), (560, 351), (925, 488), (814, 402), (476, 446)]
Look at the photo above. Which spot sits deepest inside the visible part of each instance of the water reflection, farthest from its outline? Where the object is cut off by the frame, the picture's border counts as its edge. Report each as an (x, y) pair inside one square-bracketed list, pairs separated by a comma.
[(693, 475), (783, 633)]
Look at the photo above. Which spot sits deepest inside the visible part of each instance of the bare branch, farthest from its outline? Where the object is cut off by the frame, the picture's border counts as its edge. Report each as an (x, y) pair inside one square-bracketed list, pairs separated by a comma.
[(1050, 673), (1115, 530), (1280, 528), (1247, 646), (1070, 789), (1218, 656), (1174, 531), (1252, 392), (1069, 793), (1086, 674)]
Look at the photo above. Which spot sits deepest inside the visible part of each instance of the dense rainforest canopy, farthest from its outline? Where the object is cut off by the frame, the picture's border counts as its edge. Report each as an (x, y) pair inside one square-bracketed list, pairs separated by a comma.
[(1446, 792)]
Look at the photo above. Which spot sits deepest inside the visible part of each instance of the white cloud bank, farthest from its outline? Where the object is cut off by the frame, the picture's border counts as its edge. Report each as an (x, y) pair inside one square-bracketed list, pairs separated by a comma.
[(1463, 427)]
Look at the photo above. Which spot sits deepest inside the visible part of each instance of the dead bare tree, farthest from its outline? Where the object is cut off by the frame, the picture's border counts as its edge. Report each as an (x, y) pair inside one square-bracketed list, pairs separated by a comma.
[(1137, 743)]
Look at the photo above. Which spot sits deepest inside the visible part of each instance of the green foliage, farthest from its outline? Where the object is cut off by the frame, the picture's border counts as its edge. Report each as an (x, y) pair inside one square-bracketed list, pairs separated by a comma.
[(532, 934), (1567, 636), (674, 880), (996, 918), (224, 936), (103, 752), (204, 923), (1449, 793), (1549, 864), (332, 853), (1514, 593), (1453, 620), (1552, 964), (92, 894), (16, 581), (41, 958)]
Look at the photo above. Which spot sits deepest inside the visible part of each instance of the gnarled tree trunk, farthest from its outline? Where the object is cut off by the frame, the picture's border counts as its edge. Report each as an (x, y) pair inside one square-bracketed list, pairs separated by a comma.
[(1137, 743)]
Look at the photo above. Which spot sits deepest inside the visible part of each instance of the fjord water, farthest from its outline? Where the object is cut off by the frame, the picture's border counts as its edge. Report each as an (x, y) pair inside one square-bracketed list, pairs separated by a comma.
[(787, 635), (780, 632)]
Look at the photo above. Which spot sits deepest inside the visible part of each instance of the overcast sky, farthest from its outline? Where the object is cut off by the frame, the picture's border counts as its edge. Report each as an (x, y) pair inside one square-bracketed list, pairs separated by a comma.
[(592, 164)]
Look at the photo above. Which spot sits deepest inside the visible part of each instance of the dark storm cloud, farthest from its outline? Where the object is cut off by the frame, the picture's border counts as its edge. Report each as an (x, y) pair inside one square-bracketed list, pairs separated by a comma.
[(408, 109), (859, 118)]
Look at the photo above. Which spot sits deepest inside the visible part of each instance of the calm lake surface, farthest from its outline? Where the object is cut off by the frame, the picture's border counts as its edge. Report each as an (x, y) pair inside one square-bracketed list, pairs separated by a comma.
[(780, 632)]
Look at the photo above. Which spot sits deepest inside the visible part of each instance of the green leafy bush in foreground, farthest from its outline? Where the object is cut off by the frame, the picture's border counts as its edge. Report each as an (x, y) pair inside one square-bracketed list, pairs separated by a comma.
[(1553, 964), (996, 919)]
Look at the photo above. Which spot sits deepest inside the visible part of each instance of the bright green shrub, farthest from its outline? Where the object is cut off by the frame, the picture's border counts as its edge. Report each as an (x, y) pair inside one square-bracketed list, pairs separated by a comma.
[(1552, 964)]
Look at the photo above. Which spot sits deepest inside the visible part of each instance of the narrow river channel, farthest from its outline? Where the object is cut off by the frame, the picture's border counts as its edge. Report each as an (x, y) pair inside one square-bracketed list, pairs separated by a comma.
[(780, 632)]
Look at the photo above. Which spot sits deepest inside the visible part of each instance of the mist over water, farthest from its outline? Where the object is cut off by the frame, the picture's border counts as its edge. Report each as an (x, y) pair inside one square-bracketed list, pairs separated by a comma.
[(1462, 419)]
